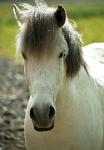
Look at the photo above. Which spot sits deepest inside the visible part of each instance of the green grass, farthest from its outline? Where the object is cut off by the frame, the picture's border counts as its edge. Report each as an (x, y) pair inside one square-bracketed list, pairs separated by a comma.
[(8, 31), (85, 10), (92, 29), (89, 19)]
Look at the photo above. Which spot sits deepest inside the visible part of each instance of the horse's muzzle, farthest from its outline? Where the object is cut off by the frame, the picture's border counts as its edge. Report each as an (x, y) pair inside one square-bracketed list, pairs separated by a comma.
[(43, 117)]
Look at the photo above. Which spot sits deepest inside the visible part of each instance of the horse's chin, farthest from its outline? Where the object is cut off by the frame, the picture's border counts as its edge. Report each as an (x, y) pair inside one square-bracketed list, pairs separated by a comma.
[(44, 129)]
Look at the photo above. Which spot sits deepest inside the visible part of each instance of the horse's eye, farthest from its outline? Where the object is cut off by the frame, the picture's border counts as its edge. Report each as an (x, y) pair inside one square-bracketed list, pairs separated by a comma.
[(62, 54), (23, 55)]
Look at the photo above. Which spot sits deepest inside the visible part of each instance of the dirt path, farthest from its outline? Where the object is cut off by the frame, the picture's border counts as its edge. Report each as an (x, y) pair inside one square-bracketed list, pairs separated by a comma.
[(13, 101)]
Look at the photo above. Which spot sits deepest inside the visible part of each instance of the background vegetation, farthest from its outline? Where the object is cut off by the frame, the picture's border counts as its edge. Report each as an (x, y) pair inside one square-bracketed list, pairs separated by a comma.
[(88, 17)]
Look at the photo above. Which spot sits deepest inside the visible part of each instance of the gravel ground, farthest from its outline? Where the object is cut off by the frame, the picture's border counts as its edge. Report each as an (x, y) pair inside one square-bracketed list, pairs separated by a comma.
[(14, 96)]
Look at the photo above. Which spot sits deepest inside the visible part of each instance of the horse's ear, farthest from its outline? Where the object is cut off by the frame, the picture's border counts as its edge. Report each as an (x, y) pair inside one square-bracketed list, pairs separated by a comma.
[(60, 16), (74, 58), (20, 16)]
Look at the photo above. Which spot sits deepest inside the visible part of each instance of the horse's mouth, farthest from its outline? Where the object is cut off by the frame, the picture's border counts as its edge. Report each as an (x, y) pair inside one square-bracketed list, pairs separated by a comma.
[(43, 129)]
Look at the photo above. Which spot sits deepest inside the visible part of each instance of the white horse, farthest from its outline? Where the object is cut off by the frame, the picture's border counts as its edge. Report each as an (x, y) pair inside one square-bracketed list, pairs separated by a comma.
[(66, 82)]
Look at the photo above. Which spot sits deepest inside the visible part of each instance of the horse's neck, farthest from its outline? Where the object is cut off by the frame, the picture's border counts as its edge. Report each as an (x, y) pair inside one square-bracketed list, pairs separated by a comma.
[(72, 90), (78, 96)]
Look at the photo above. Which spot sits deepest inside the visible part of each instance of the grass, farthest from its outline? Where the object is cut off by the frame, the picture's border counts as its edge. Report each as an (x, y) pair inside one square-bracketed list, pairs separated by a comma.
[(8, 30), (91, 29), (89, 18), (85, 10)]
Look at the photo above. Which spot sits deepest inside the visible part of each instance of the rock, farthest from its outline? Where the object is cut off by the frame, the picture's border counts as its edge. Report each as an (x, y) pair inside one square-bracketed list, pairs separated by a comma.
[(14, 96)]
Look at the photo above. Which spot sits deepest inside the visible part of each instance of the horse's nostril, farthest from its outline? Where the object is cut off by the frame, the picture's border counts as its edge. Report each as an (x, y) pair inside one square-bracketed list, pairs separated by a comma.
[(42, 117), (32, 115), (51, 112)]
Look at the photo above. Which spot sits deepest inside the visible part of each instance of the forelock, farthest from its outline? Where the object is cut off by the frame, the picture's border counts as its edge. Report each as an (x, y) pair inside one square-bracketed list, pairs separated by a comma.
[(40, 30)]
